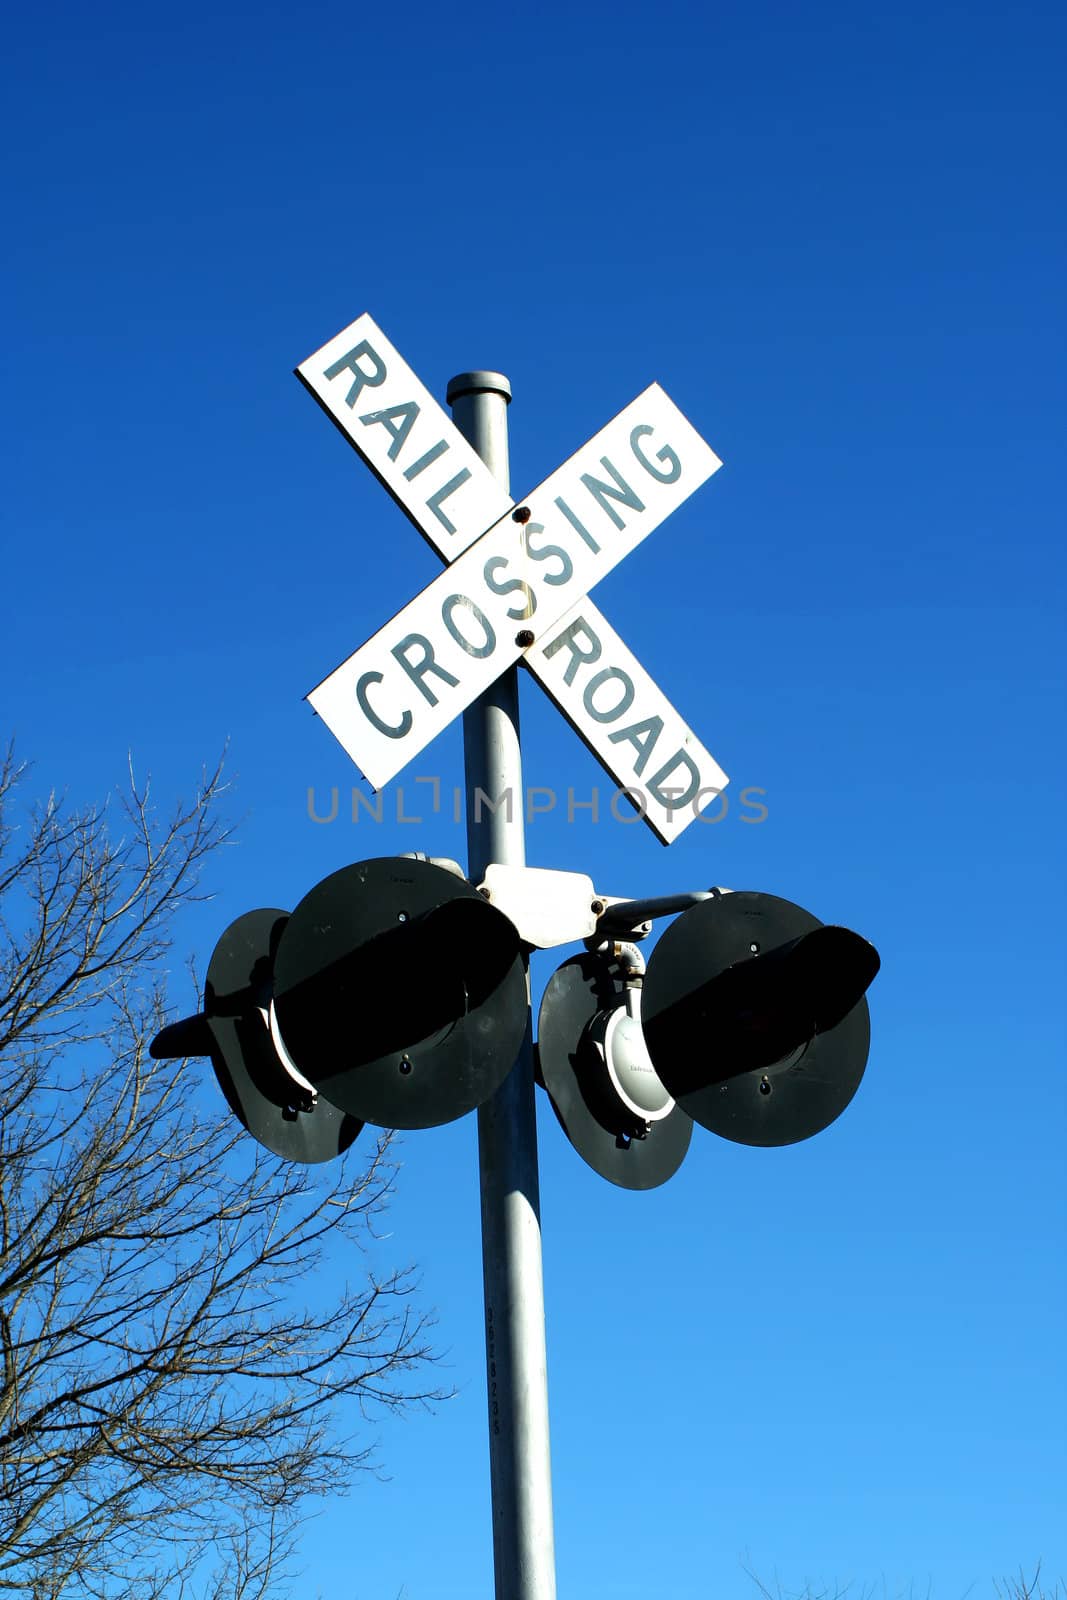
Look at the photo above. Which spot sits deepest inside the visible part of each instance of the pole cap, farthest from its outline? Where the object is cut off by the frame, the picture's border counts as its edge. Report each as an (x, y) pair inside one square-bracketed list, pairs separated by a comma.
[(477, 383)]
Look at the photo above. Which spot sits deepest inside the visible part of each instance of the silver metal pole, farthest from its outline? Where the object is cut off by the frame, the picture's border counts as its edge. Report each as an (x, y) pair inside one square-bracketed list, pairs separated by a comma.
[(516, 1368)]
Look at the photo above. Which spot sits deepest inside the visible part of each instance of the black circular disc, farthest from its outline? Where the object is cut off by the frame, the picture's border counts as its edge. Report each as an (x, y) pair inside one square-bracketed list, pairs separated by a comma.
[(257, 1089), (771, 1104), (574, 994), (401, 993)]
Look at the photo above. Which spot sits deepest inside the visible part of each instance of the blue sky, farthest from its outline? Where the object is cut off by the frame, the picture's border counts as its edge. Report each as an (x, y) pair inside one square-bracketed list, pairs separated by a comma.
[(834, 235)]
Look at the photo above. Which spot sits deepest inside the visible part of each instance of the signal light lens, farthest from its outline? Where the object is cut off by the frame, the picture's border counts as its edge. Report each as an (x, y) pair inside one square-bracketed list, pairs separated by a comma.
[(629, 1066), (603, 1088), (234, 1030)]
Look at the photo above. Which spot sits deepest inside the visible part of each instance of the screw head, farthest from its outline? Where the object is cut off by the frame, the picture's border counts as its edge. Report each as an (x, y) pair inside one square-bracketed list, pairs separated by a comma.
[(524, 637), (597, 907), (521, 514)]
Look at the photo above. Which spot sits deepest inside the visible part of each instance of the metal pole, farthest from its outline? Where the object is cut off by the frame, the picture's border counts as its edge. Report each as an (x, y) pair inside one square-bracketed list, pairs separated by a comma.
[(516, 1369)]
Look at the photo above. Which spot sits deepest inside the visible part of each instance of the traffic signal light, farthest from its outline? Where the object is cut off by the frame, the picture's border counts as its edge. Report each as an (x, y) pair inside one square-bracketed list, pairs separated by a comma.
[(393, 994), (604, 1090), (400, 992), (396, 994), (262, 1087), (751, 1019), (755, 1017)]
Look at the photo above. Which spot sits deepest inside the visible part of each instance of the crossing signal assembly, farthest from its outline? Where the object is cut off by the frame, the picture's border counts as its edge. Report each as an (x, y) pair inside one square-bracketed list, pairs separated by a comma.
[(393, 994), (751, 1019), (396, 994)]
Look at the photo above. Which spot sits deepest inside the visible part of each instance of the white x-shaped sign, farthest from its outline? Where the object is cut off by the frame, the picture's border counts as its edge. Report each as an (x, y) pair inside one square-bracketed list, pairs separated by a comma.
[(518, 591)]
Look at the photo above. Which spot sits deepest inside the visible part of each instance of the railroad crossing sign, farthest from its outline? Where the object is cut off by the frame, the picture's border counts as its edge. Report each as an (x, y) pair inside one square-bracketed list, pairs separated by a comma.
[(517, 583)]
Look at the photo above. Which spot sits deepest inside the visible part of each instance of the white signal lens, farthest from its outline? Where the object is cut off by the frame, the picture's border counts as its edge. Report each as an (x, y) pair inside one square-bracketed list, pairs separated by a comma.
[(290, 1066), (630, 1069)]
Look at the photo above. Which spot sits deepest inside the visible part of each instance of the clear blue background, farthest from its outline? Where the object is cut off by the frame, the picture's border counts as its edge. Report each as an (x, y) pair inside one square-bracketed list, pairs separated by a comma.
[(834, 234)]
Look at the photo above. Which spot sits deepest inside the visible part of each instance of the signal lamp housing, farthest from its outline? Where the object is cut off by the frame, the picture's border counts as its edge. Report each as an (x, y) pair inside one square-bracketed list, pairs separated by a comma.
[(755, 1017)]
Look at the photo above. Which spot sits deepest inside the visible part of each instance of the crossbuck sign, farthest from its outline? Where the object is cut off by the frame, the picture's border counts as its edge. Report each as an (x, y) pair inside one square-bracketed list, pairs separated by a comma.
[(517, 584)]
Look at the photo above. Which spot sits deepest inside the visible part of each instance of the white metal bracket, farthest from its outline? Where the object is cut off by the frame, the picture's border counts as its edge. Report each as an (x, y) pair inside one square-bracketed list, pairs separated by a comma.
[(547, 907)]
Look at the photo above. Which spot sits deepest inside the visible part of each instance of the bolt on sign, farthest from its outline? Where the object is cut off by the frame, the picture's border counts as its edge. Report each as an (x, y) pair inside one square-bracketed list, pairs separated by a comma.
[(517, 584)]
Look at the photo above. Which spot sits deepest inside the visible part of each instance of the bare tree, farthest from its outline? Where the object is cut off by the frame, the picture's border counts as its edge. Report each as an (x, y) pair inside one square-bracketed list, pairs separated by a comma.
[(172, 1364), (1011, 1588), (1024, 1588)]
